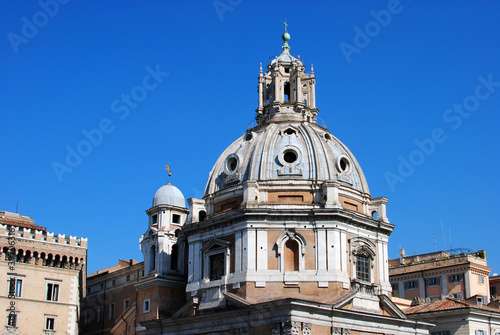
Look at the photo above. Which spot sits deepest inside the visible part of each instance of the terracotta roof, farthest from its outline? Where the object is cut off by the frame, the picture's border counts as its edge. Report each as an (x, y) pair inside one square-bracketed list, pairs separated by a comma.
[(446, 305), (22, 222)]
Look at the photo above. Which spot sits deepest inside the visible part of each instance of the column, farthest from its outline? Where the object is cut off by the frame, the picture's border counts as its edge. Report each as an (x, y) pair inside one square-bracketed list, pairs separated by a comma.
[(237, 252), (196, 261), (321, 249)]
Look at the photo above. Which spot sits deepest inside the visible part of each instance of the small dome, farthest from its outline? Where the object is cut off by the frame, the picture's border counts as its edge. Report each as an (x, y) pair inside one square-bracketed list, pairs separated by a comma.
[(169, 195)]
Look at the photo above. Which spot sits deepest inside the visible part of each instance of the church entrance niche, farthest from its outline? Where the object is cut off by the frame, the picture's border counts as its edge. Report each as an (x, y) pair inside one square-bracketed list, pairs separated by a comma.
[(291, 255)]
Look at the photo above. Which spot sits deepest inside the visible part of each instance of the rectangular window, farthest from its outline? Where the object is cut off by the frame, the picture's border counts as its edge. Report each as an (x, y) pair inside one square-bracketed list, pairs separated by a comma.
[(493, 292), (176, 218), (411, 285), (126, 303), (456, 278), (362, 268), (480, 332), (15, 287), (127, 278), (216, 266), (111, 311), (146, 306), (458, 295), (113, 282), (432, 282), (441, 332), (52, 292), (155, 219), (99, 314), (480, 279), (50, 323)]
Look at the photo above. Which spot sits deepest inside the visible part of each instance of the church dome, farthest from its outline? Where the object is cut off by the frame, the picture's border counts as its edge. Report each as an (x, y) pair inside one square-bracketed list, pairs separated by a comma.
[(169, 195), (287, 150)]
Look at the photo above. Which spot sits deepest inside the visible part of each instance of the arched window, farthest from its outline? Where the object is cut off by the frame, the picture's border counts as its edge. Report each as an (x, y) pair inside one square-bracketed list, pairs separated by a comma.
[(291, 255), (287, 91), (291, 251), (202, 215), (363, 258)]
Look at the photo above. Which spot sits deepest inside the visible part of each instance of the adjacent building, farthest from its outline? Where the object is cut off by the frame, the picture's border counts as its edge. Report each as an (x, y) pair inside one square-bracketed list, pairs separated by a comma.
[(494, 287), (109, 306), (42, 275), (435, 276), (459, 317)]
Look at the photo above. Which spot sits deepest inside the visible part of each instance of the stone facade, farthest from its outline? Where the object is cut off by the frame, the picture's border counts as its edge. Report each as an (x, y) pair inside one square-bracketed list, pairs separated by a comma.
[(43, 275)]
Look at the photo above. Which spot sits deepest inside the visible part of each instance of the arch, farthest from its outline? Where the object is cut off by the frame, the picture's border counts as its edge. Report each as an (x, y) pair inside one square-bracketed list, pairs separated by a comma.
[(291, 247), (20, 256), (57, 261), (27, 256), (286, 91), (202, 215), (152, 258), (50, 260), (64, 262)]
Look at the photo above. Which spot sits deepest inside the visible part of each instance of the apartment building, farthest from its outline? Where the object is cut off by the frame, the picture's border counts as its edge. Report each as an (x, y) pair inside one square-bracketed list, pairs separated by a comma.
[(435, 276)]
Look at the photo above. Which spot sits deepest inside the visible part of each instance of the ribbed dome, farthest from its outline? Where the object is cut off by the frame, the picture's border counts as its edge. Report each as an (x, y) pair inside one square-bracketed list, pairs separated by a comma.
[(286, 151), (169, 195)]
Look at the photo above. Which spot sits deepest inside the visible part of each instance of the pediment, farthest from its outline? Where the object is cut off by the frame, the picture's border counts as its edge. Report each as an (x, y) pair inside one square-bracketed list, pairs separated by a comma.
[(215, 244)]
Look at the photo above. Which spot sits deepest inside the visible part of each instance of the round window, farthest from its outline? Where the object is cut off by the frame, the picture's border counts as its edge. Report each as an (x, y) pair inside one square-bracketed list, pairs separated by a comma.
[(232, 164), (344, 164), (289, 156)]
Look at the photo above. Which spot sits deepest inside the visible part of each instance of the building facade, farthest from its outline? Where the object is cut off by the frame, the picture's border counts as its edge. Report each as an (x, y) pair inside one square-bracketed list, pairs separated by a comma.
[(43, 278), (110, 302), (494, 287), (435, 276), (459, 317)]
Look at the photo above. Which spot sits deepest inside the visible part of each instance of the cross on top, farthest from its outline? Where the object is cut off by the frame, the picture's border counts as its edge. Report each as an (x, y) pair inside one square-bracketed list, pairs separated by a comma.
[(286, 25)]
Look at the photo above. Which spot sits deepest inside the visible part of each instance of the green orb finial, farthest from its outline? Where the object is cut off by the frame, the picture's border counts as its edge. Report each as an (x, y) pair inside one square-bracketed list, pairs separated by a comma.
[(285, 37)]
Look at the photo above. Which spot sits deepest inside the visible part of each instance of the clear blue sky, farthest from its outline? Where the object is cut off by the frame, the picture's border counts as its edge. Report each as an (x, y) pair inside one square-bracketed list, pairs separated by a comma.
[(382, 87)]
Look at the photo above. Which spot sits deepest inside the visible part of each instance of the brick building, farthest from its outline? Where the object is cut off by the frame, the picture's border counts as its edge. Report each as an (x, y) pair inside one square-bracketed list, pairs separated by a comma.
[(111, 299)]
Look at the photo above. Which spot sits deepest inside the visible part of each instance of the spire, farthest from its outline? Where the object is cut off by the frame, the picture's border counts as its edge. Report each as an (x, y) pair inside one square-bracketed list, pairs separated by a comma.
[(285, 37)]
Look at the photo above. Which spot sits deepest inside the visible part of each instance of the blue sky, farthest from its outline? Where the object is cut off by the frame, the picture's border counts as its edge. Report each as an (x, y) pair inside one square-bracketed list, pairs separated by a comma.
[(411, 87)]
